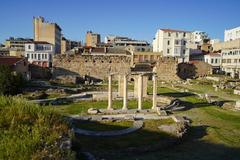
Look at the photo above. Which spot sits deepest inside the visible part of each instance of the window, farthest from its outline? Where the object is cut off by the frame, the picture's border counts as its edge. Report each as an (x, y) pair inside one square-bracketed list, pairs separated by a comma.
[(216, 61), (169, 34), (184, 51), (184, 34), (29, 46), (27, 55), (168, 42), (168, 51), (35, 56), (39, 56), (176, 42), (184, 43), (176, 34), (212, 60), (32, 56)]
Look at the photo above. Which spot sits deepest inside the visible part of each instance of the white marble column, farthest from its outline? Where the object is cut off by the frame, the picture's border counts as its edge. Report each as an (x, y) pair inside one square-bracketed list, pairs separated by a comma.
[(140, 91), (109, 92), (125, 92), (154, 98)]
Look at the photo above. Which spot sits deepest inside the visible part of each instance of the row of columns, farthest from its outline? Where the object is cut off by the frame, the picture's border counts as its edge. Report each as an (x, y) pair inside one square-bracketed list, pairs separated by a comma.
[(125, 92)]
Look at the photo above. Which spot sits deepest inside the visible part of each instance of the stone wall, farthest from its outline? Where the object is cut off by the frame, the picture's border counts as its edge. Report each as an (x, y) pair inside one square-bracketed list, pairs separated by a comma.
[(167, 68), (95, 66)]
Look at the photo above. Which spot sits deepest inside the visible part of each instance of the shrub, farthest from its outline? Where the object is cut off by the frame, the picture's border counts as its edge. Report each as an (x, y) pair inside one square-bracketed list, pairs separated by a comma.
[(29, 131), (10, 83)]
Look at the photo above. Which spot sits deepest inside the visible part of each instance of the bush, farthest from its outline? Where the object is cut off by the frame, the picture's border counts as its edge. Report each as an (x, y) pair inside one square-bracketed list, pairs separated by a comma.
[(29, 131), (10, 83)]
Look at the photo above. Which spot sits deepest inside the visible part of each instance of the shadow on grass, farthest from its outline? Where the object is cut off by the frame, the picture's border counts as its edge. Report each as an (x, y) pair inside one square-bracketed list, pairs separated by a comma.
[(152, 144), (194, 147), (177, 94), (190, 105), (147, 140)]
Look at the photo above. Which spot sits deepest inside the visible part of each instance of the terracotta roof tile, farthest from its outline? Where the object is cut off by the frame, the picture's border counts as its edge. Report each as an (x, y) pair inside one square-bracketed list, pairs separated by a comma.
[(10, 60)]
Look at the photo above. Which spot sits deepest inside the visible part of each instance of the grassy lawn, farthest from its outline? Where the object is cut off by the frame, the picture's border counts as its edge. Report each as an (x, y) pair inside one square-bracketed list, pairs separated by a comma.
[(103, 125), (83, 106), (147, 136), (214, 133)]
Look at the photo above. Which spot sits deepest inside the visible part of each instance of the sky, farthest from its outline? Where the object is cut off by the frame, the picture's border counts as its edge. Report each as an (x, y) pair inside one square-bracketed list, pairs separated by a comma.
[(138, 19)]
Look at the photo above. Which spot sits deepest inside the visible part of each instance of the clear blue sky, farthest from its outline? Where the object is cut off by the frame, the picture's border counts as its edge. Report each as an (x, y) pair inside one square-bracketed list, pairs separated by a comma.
[(137, 19)]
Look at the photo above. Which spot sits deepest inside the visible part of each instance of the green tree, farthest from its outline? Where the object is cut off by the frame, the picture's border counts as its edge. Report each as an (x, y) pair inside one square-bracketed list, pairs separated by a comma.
[(9, 83)]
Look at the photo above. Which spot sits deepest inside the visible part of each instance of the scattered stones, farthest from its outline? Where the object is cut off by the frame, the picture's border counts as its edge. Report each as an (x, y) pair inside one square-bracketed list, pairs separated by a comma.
[(178, 129), (236, 91), (93, 111), (237, 106)]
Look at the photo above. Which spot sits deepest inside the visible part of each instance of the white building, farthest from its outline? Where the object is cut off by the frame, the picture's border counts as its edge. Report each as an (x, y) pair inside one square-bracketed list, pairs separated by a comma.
[(39, 53), (231, 62), (213, 41), (214, 59), (172, 43), (232, 34), (199, 36)]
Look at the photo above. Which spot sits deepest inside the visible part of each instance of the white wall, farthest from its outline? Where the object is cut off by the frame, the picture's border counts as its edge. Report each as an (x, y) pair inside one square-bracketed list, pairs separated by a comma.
[(232, 34)]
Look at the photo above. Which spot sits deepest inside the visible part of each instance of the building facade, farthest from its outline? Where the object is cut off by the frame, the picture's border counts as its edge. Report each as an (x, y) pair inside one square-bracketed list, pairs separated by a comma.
[(92, 39), (47, 32), (199, 36), (17, 65), (231, 62), (172, 43), (16, 46), (214, 59), (232, 34), (67, 45), (39, 53)]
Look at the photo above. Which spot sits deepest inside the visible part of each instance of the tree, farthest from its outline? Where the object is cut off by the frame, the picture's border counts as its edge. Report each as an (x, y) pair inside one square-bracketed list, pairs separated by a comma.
[(9, 83)]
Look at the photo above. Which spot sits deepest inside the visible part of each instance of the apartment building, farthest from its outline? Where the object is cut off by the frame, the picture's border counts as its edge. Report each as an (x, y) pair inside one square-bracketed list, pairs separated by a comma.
[(232, 34), (231, 62), (39, 53), (47, 32), (198, 37), (92, 39), (67, 45), (172, 43)]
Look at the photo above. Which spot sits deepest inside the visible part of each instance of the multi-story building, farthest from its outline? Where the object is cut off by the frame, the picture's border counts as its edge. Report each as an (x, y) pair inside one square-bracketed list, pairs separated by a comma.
[(198, 37), (214, 59), (92, 39), (39, 53), (232, 34), (127, 43), (16, 46), (67, 45), (172, 43), (231, 62), (47, 32), (17, 43)]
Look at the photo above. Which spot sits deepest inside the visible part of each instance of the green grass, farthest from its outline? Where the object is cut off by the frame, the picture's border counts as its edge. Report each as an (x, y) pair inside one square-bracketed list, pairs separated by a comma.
[(147, 136), (29, 131), (103, 125), (83, 106), (214, 134)]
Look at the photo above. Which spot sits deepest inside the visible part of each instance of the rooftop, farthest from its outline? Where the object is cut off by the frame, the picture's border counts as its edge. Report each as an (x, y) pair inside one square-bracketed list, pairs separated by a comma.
[(9, 60), (173, 30)]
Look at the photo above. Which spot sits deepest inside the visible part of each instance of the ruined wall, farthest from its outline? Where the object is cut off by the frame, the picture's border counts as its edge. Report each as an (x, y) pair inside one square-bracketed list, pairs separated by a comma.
[(167, 68), (95, 66)]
